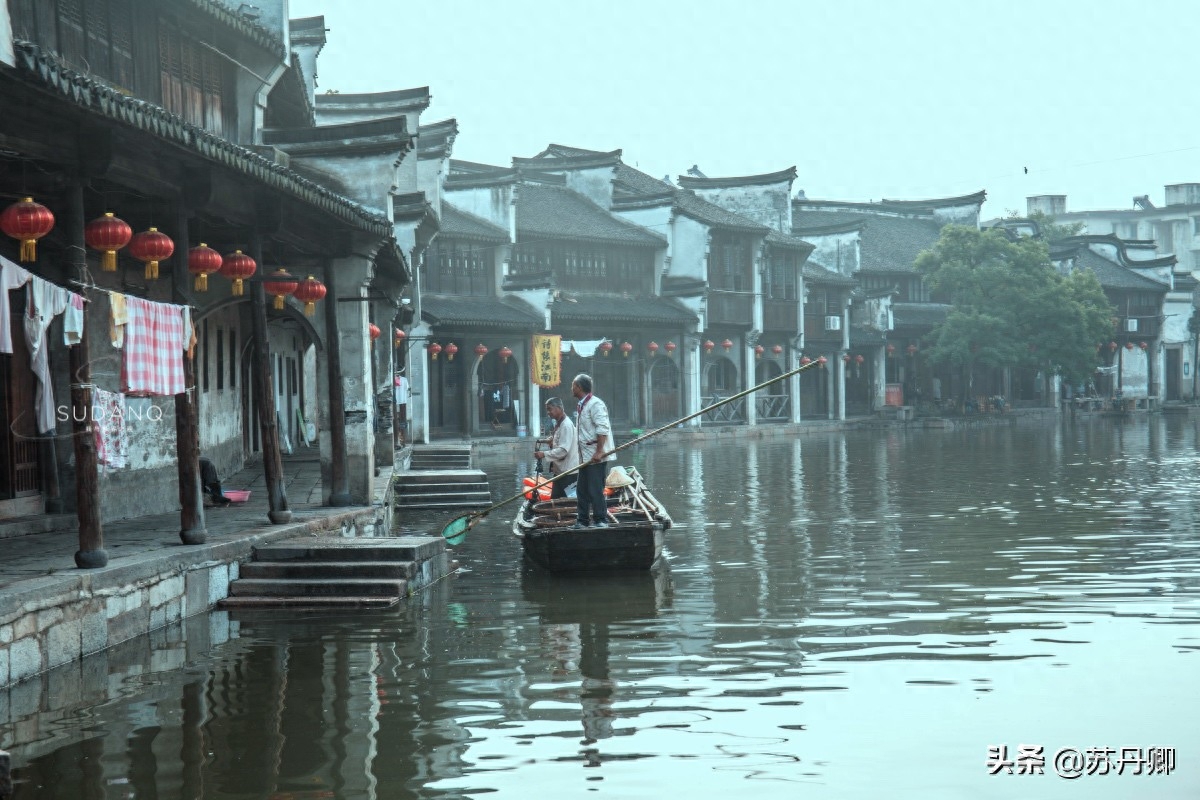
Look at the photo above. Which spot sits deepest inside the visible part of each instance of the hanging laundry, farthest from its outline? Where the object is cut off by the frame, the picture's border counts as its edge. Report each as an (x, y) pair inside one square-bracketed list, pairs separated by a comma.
[(73, 321), (12, 276), (154, 347), (108, 422), (46, 301), (189, 332), (118, 318)]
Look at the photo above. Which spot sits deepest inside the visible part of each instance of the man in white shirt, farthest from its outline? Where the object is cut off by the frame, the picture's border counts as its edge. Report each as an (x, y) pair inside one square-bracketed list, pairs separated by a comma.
[(562, 452), (594, 433)]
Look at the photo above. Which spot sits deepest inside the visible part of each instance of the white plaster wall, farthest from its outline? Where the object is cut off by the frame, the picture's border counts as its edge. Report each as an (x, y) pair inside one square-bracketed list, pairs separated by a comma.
[(493, 203), (365, 179), (594, 184), (1135, 373), (431, 173), (689, 248), (7, 56), (1177, 312), (657, 219), (221, 409), (967, 214), (768, 204), (306, 60), (837, 252)]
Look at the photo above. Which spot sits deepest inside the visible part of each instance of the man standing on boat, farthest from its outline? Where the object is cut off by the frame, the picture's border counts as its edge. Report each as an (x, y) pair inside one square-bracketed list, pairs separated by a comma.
[(594, 434), (563, 452)]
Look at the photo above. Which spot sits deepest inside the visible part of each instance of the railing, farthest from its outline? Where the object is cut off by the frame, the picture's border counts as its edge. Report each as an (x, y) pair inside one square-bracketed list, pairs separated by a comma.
[(730, 413), (730, 308), (781, 315), (774, 408)]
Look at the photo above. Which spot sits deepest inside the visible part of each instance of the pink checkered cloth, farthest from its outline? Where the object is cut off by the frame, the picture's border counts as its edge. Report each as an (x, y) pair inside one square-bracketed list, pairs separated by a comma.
[(154, 345)]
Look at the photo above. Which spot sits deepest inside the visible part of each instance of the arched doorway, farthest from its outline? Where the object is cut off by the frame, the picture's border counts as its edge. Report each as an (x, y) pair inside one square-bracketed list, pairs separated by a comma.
[(773, 403), (720, 380), (665, 404), (498, 397), (447, 411)]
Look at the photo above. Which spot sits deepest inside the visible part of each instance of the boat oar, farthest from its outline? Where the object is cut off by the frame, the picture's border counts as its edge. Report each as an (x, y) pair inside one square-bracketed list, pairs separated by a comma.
[(456, 530)]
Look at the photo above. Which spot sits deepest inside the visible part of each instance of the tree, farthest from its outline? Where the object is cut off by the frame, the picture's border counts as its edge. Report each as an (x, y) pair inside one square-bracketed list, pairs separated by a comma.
[(1011, 307), (1052, 231)]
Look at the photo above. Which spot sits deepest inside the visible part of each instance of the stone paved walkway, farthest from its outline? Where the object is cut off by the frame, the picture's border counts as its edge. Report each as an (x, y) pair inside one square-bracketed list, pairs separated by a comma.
[(40, 554)]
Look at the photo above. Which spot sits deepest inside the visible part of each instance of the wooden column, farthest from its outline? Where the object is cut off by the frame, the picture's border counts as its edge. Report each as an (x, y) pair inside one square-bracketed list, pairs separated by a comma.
[(264, 396), (192, 529), (91, 553), (339, 492)]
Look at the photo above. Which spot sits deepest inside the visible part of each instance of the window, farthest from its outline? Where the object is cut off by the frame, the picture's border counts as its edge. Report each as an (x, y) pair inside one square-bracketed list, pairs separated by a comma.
[(456, 267), (730, 263), (220, 359), (780, 277), (582, 266), (195, 81), (1195, 226)]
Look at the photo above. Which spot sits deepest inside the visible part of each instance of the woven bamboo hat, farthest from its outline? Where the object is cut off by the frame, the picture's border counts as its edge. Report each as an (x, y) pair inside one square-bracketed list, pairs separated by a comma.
[(617, 477)]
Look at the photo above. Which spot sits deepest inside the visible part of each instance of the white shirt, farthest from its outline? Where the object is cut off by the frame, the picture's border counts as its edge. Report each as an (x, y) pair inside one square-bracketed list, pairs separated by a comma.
[(563, 454)]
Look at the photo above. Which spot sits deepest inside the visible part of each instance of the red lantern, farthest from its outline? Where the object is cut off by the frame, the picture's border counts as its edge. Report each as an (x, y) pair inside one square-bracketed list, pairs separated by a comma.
[(606, 348), (398, 337), (1112, 346), (858, 359), (1142, 345), (822, 360), (108, 234), (670, 348), (434, 349), (451, 349), (237, 266), (1129, 345), (373, 329), (727, 345), (27, 221), (151, 247), (310, 290), (912, 349), (759, 350), (626, 349), (652, 347), (805, 361), (505, 352), (481, 350), (708, 346), (777, 349), (891, 350), (281, 285), (202, 262)]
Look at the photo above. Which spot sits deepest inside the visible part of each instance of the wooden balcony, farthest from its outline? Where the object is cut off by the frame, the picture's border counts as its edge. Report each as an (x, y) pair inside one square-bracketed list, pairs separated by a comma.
[(781, 315), (1147, 327), (730, 308)]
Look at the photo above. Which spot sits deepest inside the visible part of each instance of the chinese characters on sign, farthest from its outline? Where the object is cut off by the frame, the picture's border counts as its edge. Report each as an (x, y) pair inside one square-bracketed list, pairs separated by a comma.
[(547, 360), (1072, 762)]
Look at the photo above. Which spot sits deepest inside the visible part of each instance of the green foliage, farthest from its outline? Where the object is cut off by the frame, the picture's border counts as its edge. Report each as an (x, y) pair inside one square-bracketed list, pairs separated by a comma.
[(1052, 231), (1011, 307)]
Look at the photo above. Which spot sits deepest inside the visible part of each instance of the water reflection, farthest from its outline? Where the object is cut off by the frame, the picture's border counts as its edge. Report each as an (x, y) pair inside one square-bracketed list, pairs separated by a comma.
[(851, 611)]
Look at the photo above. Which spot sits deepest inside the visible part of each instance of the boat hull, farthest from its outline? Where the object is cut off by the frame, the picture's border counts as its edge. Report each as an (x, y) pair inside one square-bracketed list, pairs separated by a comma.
[(617, 547)]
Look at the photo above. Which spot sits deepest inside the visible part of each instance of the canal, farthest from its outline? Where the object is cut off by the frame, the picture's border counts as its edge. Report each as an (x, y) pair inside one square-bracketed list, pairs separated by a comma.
[(886, 613)]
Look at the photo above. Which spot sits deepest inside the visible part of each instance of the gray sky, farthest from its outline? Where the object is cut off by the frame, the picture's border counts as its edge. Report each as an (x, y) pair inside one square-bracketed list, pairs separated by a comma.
[(903, 99)]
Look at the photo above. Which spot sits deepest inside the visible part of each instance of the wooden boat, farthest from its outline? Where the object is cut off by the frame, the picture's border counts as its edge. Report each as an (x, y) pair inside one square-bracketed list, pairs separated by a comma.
[(634, 542)]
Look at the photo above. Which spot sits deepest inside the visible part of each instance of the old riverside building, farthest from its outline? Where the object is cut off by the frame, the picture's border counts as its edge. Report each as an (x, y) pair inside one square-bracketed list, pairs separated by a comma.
[(198, 132)]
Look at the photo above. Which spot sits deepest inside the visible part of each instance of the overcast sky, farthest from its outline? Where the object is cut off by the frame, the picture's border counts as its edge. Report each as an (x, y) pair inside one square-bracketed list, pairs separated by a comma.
[(903, 99)]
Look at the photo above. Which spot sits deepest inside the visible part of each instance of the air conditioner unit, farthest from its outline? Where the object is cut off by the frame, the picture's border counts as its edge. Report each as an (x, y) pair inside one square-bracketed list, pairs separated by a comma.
[(833, 323), (1131, 325)]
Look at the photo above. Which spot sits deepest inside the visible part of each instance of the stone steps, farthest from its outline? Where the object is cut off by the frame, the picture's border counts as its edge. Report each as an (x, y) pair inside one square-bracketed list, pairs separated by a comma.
[(444, 488), (40, 523), (335, 573), (440, 457)]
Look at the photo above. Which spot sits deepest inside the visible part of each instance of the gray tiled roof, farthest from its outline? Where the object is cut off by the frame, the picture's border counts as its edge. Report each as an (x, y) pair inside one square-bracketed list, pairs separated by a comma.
[(787, 241), (479, 312), (1114, 276), (456, 222), (818, 274), (558, 213), (103, 100), (919, 315), (601, 307), (888, 243), (691, 205)]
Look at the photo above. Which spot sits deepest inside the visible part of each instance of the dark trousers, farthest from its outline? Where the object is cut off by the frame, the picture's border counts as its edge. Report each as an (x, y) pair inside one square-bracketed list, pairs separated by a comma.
[(210, 482), (589, 494), (559, 487)]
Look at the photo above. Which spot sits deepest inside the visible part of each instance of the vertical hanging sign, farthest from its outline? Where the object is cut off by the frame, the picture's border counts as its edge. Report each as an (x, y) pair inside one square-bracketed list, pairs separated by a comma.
[(547, 360)]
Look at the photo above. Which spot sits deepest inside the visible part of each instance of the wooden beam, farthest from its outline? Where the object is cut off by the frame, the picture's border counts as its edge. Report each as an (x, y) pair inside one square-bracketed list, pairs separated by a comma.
[(339, 492), (264, 397), (187, 424)]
